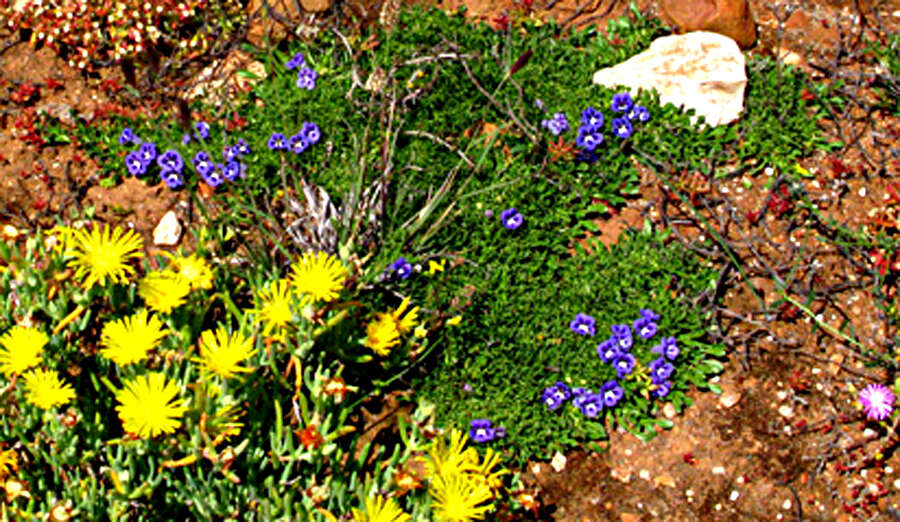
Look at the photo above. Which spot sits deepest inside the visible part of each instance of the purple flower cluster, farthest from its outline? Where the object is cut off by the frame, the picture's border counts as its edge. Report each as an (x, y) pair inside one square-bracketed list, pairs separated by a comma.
[(557, 124), (616, 350), (482, 431), (171, 164), (308, 135), (623, 127), (590, 403), (589, 135), (306, 76)]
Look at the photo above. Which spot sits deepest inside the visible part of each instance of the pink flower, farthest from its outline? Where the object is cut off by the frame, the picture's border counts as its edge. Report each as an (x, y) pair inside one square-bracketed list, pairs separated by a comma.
[(877, 401)]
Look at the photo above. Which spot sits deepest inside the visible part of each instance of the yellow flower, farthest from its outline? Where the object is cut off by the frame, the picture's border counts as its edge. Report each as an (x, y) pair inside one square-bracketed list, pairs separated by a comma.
[(275, 308), (22, 347), (456, 498), (194, 269), (163, 291), (129, 339), (434, 267), (453, 321), (101, 255), (59, 238), (380, 509), (318, 275), (420, 331), (382, 334), (9, 462), (222, 354), (46, 390), (407, 322), (146, 406), (453, 459)]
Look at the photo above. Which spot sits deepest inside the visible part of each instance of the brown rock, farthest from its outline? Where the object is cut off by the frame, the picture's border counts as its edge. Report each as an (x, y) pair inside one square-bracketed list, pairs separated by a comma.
[(629, 517), (731, 18), (315, 6)]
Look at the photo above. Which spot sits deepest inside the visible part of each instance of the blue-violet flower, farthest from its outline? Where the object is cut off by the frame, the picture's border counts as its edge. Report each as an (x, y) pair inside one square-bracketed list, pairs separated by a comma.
[(583, 324), (135, 164), (612, 393), (660, 370), (588, 139), (511, 218), (591, 119), (311, 132), (638, 113), (277, 141), (645, 328), (622, 127), (621, 102), (295, 61), (609, 350), (171, 178), (170, 160), (306, 78), (402, 268), (624, 364)]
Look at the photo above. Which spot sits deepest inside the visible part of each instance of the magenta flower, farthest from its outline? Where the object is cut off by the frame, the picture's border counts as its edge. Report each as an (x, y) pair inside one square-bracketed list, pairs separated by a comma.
[(877, 401)]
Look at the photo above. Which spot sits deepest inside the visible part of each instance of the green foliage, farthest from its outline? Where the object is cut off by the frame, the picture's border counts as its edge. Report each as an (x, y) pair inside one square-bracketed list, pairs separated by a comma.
[(514, 339), (887, 82)]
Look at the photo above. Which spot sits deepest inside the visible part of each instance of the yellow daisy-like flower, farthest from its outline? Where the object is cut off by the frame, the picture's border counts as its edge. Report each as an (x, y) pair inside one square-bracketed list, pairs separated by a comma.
[(380, 509), (46, 390), (194, 269), (128, 340), (275, 307), (444, 460), (382, 334), (454, 321), (318, 275), (100, 255), (22, 348), (148, 405), (222, 354), (457, 498), (406, 322), (163, 291), (59, 239)]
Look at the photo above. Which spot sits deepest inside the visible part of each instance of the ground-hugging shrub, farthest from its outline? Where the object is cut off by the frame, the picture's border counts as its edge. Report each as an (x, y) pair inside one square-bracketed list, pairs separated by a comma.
[(517, 299)]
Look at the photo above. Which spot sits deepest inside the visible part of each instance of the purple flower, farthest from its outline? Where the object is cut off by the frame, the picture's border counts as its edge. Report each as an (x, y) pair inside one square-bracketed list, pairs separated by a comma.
[(170, 160), (171, 178), (128, 136), (402, 268), (645, 328), (311, 132), (232, 170), (624, 364), (877, 401), (306, 78), (609, 350), (668, 348), (588, 139), (203, 163), (660, 370), (185, 139), (622, 335), (583, 324), (586, 156), (202, 129), (621, 102), (148, 152), (229, 153), (592, 405), (591, 119), (649, 314), (622, 127), (554, 396), (295, 61), (638, 113), (662, 389), (579, 391), (242, 148), (481, 430), (540, 104), (557, 125), (277, 141), (611, 393), (511, 218), (211, 176), (135, 164), (297, 143)]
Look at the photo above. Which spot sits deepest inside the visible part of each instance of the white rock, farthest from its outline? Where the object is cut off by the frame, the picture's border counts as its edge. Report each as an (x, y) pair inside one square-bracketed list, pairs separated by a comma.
[(787, 504), (558, 462), (734, 495), (701, 70), (168, 231), (785, 411)]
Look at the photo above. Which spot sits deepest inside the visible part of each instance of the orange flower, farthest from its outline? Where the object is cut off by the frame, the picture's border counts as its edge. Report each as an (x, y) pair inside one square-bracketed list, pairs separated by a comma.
[(310, 437)]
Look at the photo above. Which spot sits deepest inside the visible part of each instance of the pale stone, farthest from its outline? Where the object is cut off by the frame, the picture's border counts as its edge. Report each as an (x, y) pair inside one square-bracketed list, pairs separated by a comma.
[(669, 410), (168, 231), (789, 57), (558, 462), (785, 411), (701, 70), (664, 480), (729, 398)]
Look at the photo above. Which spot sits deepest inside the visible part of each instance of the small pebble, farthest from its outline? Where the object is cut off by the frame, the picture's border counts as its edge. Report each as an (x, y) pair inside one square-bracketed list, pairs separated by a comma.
[(718, 507), (888, 470), (785, 411), (787, 504), (897, 484), (627, 452), (862, 192), (718, 470), (782, 395), (734, 495), (644, 474)]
